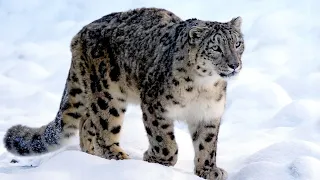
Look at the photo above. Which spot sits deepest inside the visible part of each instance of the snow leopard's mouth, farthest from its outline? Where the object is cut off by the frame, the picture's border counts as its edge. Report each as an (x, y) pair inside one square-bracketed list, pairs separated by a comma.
[(226, 75)]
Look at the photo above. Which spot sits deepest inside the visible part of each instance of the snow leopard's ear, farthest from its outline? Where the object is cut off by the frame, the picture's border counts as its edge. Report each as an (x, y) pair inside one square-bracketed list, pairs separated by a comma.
[(197, 33), (236, 23)]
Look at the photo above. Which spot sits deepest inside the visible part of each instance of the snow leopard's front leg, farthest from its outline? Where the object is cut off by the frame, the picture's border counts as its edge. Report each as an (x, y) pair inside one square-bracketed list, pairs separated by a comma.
[(205, 136), (163, 148)]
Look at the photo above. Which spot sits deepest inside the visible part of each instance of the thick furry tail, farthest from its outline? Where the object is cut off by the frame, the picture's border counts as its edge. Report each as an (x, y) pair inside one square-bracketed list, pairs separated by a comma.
[(26, 141)]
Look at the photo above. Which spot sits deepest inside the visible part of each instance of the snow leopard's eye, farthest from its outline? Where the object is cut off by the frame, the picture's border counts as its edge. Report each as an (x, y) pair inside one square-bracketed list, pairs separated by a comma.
[(238, 44), (216, 48)]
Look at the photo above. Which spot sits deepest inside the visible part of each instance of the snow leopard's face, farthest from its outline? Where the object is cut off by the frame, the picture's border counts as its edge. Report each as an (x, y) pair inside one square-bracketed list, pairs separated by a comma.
[(220, 49)]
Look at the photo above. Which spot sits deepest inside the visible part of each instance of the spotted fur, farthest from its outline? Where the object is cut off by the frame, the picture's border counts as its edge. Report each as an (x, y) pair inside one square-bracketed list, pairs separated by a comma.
[(173, 68)]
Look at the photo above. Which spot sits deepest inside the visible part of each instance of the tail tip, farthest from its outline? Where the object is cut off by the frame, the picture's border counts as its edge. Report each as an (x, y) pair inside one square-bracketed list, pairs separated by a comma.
[(14, 140), (9, 136)]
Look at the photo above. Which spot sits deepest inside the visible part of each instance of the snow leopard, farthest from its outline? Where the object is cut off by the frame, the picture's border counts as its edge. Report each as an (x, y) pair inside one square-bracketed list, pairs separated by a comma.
[(173, 69)]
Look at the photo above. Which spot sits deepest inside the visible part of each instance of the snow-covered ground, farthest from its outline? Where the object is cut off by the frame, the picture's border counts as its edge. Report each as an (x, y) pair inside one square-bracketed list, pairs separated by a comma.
[(270, 131)]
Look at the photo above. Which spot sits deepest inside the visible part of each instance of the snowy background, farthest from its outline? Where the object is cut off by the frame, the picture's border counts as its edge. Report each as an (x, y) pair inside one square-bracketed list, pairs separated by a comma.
[(271, 128)]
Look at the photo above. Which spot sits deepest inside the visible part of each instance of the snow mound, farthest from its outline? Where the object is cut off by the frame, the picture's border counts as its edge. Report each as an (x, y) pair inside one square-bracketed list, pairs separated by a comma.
[(296, 113), (81, 166), (286, 161)]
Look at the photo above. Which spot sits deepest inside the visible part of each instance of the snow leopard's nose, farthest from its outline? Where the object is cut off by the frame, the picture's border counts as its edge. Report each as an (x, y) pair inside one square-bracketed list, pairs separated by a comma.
[(234, 65)]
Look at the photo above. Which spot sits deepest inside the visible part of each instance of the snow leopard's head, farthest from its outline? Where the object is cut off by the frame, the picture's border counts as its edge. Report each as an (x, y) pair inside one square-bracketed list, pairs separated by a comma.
[(219, 47)]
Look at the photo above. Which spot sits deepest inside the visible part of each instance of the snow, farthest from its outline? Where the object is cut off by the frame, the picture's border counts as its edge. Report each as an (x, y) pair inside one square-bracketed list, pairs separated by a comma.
[(271, 127)]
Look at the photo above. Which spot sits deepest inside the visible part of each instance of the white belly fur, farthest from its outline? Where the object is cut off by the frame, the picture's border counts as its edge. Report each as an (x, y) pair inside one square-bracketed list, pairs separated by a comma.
[(200, 110), (201, 105)]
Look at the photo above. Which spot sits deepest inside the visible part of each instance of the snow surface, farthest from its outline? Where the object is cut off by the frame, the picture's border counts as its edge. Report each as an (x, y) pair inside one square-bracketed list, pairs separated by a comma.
[(271, 128)]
